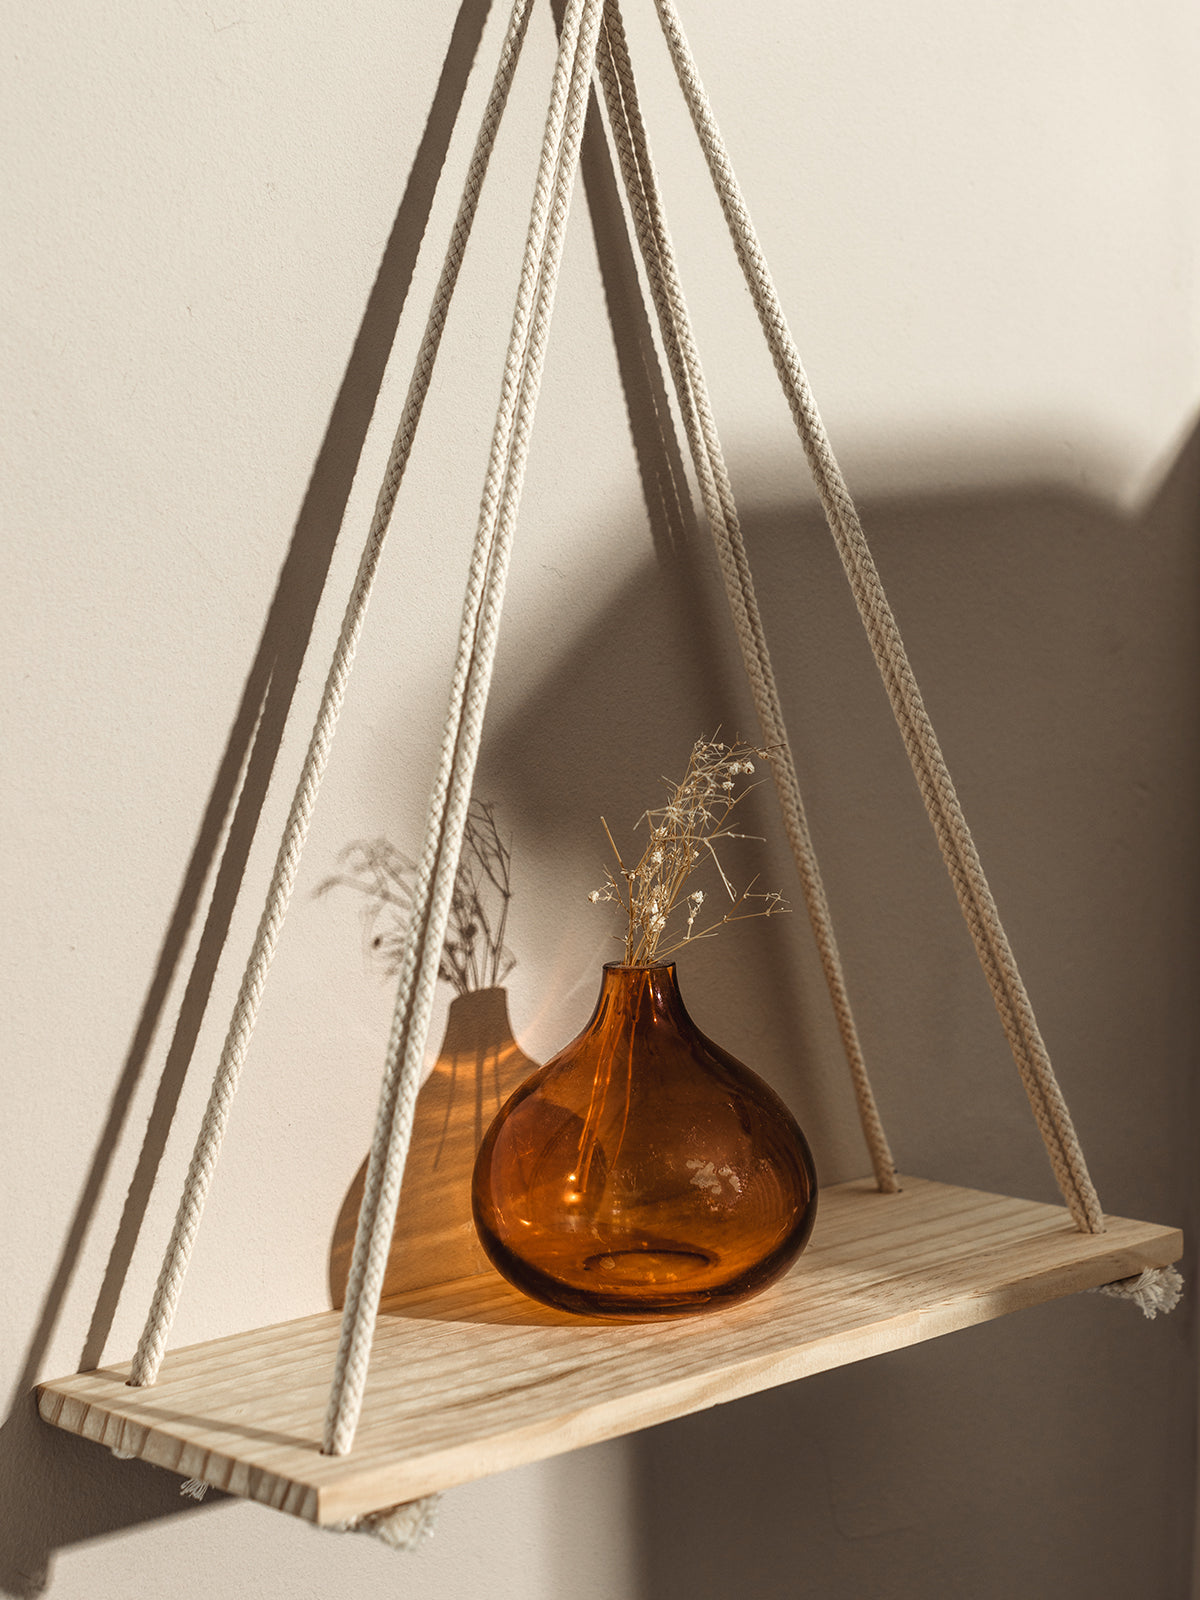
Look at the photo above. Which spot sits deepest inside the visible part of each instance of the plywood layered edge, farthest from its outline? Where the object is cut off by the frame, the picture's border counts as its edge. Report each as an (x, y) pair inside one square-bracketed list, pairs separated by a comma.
[(470, 1378)]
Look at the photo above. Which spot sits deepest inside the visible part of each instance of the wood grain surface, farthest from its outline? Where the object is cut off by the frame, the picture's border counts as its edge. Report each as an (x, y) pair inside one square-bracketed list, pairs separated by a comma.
[(469, 1377)]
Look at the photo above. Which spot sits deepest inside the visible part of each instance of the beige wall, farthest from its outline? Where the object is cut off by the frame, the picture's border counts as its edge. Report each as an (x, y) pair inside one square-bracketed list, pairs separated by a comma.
[(984, 222)]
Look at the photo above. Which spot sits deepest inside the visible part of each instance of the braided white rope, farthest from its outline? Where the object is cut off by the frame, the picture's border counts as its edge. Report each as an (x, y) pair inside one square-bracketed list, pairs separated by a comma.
[(481, 618), (929, 767), (448, 806), (150, 1349), (650, 223)]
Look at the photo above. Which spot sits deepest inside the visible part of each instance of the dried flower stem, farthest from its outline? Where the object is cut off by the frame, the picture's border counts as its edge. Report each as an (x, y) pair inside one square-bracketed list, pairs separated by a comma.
[(683, 834)]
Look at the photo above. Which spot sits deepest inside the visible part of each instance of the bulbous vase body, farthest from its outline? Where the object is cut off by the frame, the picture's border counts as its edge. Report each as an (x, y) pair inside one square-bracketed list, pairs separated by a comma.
[(643, 1171)]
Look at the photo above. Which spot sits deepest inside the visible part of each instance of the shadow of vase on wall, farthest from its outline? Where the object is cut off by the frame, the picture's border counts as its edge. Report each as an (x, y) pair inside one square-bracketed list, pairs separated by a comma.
[(478, 1066)]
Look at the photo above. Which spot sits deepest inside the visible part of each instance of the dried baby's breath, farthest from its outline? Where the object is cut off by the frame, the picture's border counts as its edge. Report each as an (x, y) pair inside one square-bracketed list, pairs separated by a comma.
[(684, 835)]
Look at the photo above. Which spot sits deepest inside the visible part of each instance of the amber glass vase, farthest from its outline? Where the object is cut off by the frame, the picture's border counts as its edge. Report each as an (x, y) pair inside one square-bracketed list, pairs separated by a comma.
[(643, 1172)]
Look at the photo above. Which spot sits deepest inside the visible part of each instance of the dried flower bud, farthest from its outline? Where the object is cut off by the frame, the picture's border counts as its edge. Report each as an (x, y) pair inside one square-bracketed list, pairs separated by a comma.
[(690, 827)]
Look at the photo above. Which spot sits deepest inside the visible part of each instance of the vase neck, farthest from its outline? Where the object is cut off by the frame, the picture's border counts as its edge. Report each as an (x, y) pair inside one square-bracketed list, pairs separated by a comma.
[(642, 994)]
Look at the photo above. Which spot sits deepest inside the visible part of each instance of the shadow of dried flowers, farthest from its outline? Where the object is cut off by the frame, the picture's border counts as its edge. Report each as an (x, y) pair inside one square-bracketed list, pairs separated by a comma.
[(474, 955)]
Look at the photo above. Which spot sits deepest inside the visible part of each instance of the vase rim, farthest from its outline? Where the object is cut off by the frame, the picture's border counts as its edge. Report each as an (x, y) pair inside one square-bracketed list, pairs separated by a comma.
[(639, 966)]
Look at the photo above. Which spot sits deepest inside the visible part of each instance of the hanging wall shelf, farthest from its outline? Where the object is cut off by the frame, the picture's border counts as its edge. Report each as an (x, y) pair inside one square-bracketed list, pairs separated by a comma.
[(447, 1382), (469, 1378)]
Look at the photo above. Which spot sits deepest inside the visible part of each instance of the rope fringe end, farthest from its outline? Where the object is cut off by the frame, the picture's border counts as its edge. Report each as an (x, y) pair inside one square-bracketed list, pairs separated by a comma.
[(1154, 1290), (402, 1527)]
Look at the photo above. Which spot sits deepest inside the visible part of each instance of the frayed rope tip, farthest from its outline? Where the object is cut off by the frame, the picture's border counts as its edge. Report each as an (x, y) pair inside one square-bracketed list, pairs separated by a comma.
[(1157, 1289), (402, 1527)]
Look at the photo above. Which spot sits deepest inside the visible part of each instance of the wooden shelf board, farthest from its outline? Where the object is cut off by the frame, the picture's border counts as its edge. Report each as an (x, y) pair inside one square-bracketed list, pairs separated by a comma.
[(470, 1377)]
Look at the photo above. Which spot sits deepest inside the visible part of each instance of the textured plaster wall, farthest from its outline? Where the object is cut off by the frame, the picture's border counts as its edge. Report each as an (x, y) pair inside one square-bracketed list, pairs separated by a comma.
[(985, 224)]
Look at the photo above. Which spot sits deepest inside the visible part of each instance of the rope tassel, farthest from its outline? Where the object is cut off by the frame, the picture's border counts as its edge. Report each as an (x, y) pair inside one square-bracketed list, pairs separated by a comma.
[(1154, 1290), (402, 1527)]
